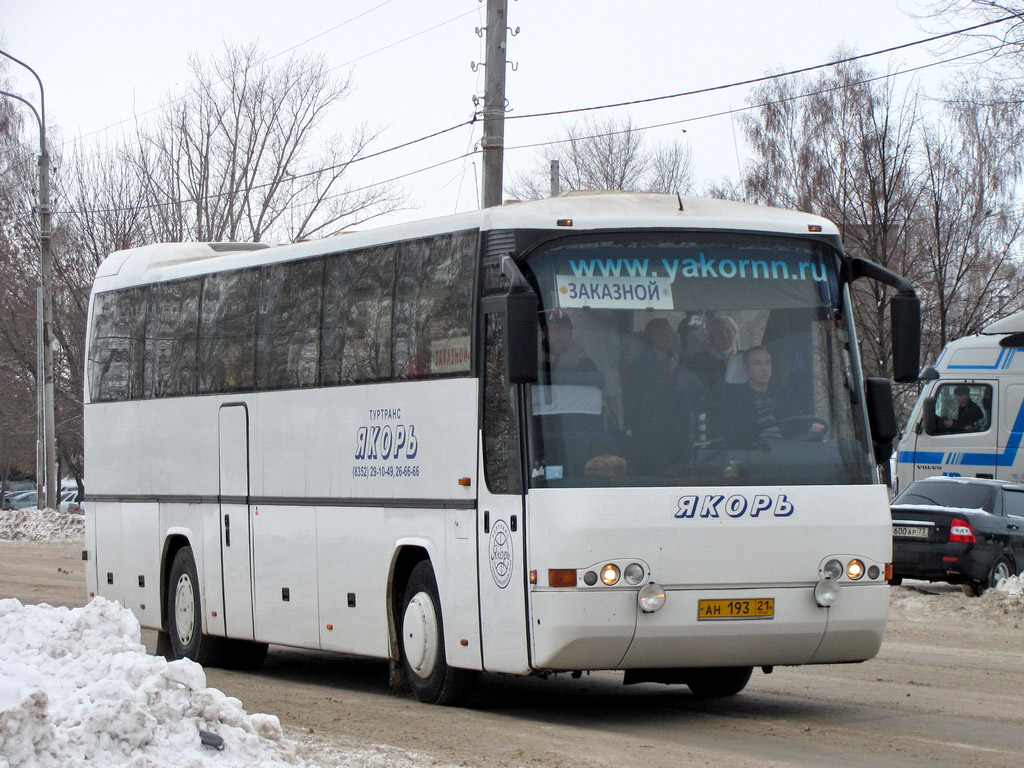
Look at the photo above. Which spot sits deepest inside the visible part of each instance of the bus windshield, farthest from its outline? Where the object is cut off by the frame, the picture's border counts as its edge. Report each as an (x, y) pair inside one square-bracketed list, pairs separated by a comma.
[(689, 358)]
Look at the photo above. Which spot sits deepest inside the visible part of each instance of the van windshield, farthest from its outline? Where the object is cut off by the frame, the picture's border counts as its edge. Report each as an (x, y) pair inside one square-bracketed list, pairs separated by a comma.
[(692, 359)]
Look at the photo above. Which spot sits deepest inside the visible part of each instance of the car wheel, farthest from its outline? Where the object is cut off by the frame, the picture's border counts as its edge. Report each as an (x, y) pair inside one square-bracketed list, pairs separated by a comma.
[(1001, 569), (423, 658), (719, 681), (185, 613)]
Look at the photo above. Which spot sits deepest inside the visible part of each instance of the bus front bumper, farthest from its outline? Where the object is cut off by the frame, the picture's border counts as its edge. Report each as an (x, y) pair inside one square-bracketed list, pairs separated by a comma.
[(590, 629)]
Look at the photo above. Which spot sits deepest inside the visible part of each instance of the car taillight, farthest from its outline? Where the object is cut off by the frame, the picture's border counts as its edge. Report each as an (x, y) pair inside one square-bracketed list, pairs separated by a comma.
[(961, 530)]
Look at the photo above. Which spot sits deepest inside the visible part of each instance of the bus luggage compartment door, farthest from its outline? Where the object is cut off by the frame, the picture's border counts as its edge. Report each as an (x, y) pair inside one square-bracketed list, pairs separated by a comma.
[(235, 539)]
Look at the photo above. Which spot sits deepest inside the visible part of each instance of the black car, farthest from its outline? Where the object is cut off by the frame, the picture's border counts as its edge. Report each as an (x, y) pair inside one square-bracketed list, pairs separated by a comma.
[(966, 531)]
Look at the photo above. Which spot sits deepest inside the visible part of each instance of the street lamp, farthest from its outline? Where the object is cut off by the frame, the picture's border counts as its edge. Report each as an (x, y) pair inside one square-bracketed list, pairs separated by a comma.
[(46, 280)]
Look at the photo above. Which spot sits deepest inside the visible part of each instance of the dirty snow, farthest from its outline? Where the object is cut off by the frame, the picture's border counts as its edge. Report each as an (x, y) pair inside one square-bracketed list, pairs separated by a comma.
[(39, 525), (78, 689)]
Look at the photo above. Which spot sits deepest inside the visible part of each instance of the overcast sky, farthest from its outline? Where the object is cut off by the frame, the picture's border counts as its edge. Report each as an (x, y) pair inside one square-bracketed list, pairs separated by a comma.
[(103, 62)]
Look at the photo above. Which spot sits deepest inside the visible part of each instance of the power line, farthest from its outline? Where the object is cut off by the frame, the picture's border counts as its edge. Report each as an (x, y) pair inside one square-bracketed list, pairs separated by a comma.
[(281, 53), (764, 78), (749, 107)]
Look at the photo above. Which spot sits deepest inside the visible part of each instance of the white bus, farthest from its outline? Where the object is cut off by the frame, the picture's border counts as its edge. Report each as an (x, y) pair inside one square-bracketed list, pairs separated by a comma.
[(495, 442), (969, 417)]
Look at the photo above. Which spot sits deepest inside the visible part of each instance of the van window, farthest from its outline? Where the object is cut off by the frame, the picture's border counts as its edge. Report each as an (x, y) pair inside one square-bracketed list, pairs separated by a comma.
[(962, 407)]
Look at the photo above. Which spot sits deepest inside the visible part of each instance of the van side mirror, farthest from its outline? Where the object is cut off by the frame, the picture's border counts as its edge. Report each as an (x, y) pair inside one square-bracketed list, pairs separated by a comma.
[(521, 338), (928, 415)]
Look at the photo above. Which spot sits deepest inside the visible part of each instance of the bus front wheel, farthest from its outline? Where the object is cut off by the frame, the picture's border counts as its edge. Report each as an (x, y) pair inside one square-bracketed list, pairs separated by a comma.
[(423, 658), (185, 613)]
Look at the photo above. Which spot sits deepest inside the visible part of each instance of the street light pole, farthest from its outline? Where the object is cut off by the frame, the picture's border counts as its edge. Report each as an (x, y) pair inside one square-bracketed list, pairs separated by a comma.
[(46, 283)]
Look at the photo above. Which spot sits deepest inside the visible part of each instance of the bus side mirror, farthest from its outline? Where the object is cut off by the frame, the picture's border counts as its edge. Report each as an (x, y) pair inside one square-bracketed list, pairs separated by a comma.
[(905, 316), (928, 415), (881, 417), (521, 338)]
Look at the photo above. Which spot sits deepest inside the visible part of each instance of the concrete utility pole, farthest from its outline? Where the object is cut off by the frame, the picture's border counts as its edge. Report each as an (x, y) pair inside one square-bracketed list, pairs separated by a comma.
[(46, 284), (494, 102)]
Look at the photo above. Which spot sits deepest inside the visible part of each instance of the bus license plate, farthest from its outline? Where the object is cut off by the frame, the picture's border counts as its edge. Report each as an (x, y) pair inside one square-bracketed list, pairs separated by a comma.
[(909, 532), (721, 610)]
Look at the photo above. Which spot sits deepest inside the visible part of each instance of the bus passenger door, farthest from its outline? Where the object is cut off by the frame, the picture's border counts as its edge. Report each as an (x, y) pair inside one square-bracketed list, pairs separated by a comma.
[(235, 539), (501, 557)]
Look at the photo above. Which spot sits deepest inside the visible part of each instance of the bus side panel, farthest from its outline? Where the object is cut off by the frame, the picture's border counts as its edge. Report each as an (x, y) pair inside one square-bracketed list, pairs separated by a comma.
[(91, 578), (353, 553), (107, 553), (285, 609), (141, 561), (460, 595)]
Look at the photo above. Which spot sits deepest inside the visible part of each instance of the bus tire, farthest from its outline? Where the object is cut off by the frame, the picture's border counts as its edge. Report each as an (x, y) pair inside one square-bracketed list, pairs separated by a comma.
[(185, 613), (715, 682), (426, 669)]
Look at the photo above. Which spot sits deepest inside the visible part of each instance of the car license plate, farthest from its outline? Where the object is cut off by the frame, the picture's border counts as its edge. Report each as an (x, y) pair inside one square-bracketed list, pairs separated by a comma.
[(910, 532), (723, 610)]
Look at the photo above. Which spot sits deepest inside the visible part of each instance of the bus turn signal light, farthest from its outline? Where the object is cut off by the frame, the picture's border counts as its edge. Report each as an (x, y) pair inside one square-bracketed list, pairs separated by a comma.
[(561, 577)]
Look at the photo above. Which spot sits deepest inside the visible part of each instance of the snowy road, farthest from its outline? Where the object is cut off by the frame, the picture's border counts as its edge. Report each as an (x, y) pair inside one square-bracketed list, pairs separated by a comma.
[(947, 689)]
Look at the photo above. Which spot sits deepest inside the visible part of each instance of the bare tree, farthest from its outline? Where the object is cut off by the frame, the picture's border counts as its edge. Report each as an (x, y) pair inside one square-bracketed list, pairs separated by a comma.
[(969, 228), (1008, 39), (234, 158), (608, 154), (842, 144)]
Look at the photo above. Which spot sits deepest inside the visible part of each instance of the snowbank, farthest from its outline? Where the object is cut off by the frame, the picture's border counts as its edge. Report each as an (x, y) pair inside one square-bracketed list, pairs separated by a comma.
[(39, 525), (77, 689)]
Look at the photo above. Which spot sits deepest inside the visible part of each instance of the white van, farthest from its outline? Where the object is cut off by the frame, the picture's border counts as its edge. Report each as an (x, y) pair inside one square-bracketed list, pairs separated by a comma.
[(969, 418)]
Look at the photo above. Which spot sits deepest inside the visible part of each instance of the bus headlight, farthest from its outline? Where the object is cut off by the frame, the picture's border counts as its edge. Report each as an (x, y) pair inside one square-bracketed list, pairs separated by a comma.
[(651, 598), (826, 592), (855, 569), (833, 569), (633, 574), (610, 574)]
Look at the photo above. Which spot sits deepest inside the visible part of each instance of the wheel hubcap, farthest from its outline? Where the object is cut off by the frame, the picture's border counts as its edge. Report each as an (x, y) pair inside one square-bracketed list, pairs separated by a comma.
[(419, 635), (184, 609), (1002, 572)]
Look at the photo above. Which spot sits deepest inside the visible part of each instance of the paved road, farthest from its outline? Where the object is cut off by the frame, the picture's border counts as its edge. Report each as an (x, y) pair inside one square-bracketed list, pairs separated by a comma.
[(947, 689)]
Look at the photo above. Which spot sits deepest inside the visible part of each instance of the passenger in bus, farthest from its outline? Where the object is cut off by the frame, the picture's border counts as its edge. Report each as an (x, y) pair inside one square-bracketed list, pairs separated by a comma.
[(571, 414), (563, 356), (750, 413), (711, 362), (661, 402), (969, 416)]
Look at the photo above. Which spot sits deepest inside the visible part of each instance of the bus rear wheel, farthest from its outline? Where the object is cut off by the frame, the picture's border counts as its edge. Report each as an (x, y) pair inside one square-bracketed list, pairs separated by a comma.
[(715, 682), (185, 613), (422, 644)]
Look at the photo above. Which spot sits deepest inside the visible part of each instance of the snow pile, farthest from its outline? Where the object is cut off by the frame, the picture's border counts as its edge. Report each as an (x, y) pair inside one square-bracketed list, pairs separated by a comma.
[(1012, 585), (920, 601), (78, 689), (39, 525)]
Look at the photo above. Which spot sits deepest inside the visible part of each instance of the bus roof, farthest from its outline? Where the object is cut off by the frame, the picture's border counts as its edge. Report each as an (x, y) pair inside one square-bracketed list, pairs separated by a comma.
[(571, 211)]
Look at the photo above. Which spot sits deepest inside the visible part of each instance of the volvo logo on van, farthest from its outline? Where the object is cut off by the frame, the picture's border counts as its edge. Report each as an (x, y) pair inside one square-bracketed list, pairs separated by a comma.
[(736, 505)]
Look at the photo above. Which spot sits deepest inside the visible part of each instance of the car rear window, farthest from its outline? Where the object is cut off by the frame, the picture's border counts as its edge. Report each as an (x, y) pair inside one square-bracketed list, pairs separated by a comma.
[(964, 495)]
